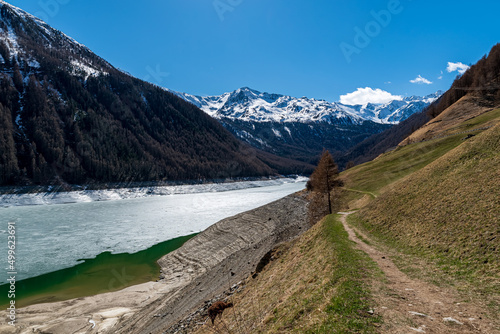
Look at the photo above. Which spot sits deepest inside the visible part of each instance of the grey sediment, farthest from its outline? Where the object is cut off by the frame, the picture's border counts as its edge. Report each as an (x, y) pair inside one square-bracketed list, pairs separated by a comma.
[(224, 254), (204, 267)]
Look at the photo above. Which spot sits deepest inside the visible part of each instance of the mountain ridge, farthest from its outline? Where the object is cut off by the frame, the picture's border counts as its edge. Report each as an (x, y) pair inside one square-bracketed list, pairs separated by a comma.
[(301, 128), (248, 104)]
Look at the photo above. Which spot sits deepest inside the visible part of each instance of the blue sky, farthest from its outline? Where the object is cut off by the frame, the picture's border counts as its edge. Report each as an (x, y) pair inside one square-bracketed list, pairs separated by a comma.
[(316, 48)]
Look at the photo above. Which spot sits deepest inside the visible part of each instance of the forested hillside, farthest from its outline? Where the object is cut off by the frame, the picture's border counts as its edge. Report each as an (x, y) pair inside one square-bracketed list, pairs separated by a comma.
[(379, 143), (68, 116), (481, 79)]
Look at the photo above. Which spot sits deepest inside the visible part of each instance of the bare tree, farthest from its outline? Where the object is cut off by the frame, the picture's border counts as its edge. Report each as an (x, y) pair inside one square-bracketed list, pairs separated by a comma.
[(325, 178)]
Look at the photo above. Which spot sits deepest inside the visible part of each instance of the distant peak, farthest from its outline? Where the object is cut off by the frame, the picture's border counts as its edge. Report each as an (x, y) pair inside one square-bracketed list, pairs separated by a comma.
[(247, 89)]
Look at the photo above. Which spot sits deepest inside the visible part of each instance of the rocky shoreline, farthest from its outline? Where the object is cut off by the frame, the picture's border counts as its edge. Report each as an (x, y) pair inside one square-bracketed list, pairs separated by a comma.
[(206, 266)]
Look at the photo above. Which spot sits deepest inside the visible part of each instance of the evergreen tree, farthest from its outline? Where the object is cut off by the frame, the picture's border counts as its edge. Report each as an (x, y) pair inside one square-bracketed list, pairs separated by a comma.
[(8, 160)]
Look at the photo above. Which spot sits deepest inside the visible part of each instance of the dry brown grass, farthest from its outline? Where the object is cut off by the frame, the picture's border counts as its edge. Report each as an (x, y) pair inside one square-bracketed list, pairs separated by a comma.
[(290, 293), (464, 109), (437, 200)]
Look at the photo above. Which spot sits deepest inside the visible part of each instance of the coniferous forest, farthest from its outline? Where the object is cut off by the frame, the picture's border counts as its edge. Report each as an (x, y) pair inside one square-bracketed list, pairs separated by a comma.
[(63, 123)]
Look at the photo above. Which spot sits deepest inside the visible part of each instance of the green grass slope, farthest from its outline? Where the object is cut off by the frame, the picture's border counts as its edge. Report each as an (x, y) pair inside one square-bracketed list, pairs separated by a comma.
[(447, 211)]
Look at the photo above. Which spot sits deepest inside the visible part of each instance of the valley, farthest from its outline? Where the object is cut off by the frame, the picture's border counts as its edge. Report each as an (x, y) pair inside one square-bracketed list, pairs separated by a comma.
[(134, 205), (422, 266)]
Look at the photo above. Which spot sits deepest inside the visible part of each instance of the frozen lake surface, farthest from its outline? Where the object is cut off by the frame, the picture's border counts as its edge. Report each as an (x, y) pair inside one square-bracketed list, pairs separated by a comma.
[(56, 236)]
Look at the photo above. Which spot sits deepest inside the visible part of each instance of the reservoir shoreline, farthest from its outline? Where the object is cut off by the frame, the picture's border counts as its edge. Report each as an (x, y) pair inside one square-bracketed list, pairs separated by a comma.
[(55, 237), (106, 272), (223, 254)]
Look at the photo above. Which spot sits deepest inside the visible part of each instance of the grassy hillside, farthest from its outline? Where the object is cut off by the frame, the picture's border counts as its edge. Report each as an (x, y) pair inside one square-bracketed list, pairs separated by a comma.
[(313, 285), (383, 171), (448, 211), (452, 119), (432, 205)]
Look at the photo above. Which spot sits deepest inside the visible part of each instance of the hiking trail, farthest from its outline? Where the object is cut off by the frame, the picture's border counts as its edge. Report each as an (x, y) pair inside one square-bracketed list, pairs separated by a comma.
[(413, 306)]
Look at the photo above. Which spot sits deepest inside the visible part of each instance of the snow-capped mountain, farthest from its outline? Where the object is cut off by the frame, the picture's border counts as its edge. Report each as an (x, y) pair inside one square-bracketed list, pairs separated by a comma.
[(300, 128), (68, 116), (249, 105)]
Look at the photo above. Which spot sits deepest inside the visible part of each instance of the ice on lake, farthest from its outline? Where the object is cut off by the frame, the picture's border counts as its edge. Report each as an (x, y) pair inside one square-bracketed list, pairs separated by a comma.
[(56, 236)]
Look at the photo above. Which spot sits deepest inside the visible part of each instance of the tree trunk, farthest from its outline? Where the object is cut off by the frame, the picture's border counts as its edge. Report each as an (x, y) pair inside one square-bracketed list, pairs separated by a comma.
[(329, 204), (328, 190)]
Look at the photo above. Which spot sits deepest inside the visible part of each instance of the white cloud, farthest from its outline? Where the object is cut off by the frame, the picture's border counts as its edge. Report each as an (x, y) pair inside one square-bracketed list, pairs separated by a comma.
[(440, 77), (368, 95), (461, 68), (421, 80)]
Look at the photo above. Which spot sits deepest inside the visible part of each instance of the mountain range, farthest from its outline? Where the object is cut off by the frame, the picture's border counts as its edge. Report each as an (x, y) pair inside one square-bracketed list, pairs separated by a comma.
[(301, 128), (250, 105), (69, 117)]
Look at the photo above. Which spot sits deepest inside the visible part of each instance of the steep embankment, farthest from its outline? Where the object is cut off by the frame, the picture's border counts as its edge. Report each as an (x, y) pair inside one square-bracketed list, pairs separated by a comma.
[(206, 265), (449, 210), (415, 200), (223, 255), (314, 284)]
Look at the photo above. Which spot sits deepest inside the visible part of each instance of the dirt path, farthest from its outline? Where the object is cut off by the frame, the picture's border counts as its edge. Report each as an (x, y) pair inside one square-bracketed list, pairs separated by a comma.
[(361, 192), (413, 306)]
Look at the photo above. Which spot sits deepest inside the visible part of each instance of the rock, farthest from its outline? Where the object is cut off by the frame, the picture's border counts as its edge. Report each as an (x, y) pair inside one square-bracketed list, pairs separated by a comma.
[(450, 319), (419, 314), (214, 260)]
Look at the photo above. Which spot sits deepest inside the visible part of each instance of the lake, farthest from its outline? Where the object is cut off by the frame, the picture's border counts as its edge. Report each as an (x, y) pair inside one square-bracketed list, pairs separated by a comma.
[(58, 236)]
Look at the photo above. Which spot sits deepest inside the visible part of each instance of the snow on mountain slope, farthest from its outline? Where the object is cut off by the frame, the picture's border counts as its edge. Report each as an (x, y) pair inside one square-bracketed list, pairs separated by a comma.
[(70, 117), (78, 65), (246, 104)]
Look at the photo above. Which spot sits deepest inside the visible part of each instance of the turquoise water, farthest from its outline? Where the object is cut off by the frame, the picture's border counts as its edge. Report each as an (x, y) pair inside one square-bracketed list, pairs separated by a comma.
[(105, 273)]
